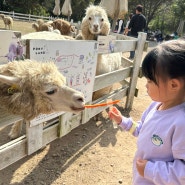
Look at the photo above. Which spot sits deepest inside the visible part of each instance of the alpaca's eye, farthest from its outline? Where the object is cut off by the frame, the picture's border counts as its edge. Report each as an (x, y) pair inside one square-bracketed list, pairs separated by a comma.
[(51, 92), (90, 18), (102, 20)]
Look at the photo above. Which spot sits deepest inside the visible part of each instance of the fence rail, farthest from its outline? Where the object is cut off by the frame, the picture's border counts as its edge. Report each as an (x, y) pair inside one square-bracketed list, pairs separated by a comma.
[(25, 17)]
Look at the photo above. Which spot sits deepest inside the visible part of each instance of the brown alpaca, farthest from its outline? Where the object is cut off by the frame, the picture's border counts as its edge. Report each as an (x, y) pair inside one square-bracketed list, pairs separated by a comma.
[(63, 26), (42, 26)]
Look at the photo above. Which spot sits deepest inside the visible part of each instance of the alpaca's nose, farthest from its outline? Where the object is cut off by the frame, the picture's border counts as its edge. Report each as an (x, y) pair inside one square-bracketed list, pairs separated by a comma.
[(96, 26), (79, 98)]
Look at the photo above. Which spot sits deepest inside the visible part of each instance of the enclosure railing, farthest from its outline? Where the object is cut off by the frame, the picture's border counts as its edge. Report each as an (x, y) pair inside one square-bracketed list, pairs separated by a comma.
[(25, 17), (40, 134)]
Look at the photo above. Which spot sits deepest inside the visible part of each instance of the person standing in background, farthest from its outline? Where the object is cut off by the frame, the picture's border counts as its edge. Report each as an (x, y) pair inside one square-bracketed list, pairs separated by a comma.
[(120, 26), (137, 24), (127, 31)]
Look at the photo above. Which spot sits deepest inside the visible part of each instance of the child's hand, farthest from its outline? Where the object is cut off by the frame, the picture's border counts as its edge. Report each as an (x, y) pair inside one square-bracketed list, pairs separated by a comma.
[(115, 114), (140, 165)]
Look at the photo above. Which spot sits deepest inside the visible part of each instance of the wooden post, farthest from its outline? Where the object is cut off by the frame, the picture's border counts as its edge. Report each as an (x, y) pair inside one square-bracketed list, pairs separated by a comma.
[(34, 137), (137, 62)]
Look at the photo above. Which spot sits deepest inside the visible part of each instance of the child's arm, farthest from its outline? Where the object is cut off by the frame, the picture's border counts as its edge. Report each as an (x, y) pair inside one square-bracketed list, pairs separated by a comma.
[(126, 124), (162, 172)]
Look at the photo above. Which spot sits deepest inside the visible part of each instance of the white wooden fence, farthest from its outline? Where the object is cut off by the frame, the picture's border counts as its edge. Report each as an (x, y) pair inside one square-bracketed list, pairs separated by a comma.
[(39, 135), (25, 17), (33, 18)]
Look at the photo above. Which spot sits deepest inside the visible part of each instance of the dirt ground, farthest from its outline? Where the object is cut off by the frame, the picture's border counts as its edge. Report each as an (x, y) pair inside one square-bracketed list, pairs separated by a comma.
[(88, 155)]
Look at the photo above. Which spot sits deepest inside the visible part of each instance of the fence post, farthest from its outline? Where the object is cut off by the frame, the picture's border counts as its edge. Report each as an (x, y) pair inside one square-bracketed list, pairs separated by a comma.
[(136, 66)]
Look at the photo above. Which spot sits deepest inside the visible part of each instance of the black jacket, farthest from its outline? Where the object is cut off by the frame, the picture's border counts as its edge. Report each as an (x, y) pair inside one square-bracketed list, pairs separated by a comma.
[(137, 24)]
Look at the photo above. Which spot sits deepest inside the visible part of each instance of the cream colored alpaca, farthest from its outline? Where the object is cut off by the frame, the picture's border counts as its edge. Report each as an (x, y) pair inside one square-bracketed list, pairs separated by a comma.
[(93, 24), (29, 88), (8, 21)]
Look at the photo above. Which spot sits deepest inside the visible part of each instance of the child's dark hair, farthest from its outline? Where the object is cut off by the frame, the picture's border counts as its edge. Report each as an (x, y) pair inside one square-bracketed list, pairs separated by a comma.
[(167, 60)]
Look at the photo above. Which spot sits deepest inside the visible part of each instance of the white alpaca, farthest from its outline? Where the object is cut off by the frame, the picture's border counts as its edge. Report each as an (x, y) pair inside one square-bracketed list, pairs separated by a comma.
[(29, 88), (8, 21), (93, 24)]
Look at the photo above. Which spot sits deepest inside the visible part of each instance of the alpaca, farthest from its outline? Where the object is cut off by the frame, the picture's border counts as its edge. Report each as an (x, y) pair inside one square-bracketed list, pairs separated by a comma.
[(29, 88), (8, 21), (42, 26), (93, 24), (63, 26)]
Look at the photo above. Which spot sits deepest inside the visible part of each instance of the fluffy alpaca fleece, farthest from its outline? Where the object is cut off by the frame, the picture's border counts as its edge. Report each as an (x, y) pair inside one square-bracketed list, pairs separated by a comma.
[(63, 26), (94, 23), (29, 88), (8, 21), (45, 35), (40, 25), (105, 64)]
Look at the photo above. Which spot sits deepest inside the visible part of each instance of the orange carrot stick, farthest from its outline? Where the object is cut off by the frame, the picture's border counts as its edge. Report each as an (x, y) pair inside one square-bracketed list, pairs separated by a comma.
[(102, 104)]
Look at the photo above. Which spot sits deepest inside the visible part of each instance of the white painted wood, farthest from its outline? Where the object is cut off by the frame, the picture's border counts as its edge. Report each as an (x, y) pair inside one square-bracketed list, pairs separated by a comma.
[(34, 137), (12, 152), (7, 119), (136, 67), (107, 79)]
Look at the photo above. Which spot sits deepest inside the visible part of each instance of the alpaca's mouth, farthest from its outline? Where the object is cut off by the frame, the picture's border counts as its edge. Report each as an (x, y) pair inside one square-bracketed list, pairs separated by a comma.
[(96, 31), (76, 109)]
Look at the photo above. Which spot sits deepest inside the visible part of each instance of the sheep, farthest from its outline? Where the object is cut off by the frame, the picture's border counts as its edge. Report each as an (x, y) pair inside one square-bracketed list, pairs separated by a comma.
[(8, 21), (29, 88), (93, 24), (64, 27)]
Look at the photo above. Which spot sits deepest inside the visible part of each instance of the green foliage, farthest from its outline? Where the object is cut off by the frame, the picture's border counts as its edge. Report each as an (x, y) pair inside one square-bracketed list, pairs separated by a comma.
[(162, 14), (78, 8), (178, 8)]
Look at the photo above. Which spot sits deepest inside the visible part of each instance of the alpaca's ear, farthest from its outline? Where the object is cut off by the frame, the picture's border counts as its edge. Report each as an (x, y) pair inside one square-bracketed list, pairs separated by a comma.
[(10, 80)]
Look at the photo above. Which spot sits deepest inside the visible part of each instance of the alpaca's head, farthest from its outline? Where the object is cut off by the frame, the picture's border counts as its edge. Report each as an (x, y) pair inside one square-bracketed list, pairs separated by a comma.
[(35, 26), (97, 20), (2, 16), (40, 21), (29, 88)]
